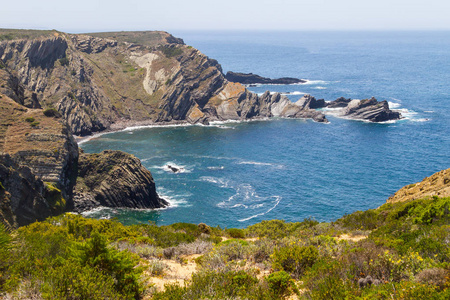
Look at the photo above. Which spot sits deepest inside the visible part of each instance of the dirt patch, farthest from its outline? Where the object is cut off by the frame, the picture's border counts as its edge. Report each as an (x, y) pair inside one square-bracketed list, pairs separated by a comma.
[(176, 272), (353, 238)]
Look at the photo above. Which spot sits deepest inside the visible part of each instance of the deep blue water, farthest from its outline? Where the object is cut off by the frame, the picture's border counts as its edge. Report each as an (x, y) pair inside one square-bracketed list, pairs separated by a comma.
[(238, 174)]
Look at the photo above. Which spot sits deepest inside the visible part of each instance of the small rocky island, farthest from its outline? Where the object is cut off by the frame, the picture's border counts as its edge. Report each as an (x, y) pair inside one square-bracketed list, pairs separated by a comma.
[(367, 109), (250, 78)]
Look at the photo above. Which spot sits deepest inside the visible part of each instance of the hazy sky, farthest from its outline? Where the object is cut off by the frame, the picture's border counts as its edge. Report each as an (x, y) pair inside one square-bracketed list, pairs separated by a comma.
[(108, 15)]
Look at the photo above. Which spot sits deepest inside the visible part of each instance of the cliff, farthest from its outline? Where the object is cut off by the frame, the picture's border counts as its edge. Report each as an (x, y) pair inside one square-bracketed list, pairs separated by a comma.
[(42, 174), (437, 184), (114, 179), (110, 80)]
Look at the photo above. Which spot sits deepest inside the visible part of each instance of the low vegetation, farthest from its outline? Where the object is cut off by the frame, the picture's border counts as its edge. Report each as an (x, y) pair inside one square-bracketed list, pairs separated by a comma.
[(398, 251)]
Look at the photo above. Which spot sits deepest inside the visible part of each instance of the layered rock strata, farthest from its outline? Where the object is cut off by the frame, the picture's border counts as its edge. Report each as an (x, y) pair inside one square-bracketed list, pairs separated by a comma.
[(367, 109), (114, 179)]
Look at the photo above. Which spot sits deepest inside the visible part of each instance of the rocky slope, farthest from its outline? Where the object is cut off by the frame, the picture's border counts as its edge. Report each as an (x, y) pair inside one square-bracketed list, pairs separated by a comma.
[(437, 184), (114, 179), (110, 80)]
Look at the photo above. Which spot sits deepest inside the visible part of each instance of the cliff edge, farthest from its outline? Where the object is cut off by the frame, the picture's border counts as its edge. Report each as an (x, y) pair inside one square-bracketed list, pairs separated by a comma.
[(437, 184)]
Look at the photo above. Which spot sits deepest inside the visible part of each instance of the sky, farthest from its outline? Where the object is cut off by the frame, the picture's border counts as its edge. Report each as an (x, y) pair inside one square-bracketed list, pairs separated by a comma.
[(114, 15)]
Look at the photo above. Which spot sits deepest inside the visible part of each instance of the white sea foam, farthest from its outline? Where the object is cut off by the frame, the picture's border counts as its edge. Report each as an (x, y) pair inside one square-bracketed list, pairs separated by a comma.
[(256, 163), (216, 168), (181, 169), (295, 93), (277, 199), (393, 105), (98, 210), (221, 182), (319, 88), (173, 199), (313, 82)]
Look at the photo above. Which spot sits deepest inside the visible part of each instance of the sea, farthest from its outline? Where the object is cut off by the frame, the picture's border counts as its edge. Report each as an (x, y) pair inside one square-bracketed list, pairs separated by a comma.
[(235, 174)]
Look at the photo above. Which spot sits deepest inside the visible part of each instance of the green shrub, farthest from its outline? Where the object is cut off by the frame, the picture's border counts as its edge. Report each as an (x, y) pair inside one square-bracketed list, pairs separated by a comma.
[(34, 124), (52, 112), (324, 281), (121, 266), (64, 61), (29, 119), (235, 233), (294, 259), (54, 197), (73, 281), (280, 284), (171, 51)]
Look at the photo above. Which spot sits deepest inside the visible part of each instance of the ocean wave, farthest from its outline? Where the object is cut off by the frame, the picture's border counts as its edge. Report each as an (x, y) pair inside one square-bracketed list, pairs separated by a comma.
[(246, 198), (319, 88), (216, 168), (256, 163), (278, 200), (173, 199), (393, 105), (221, 182), (313, 82)]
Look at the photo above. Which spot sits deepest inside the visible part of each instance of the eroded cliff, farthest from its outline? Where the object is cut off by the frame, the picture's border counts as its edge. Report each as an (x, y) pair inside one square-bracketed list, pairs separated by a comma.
[(111, 80)]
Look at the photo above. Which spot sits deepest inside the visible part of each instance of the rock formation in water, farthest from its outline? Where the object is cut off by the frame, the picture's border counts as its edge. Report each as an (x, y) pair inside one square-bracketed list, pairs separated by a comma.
[(371, 110), (111, 80), (114, 179), (437, 184), (250, 78), (367, 109)]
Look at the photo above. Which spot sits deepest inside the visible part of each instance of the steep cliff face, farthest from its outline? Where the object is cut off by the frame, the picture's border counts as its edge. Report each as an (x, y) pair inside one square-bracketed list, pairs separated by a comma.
[(43, 144), (21, 195), (114, 179), (437, 184), (39, 166), (115, 79)]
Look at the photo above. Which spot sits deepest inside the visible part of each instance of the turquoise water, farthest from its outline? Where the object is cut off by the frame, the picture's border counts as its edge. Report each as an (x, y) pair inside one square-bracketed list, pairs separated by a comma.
[(237, 174)]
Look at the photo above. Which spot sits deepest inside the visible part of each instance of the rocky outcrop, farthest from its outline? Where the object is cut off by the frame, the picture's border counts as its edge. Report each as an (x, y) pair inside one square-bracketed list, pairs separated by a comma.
[(114, 179), (371, 110), (250, 78), (437, 184), (367, 109)]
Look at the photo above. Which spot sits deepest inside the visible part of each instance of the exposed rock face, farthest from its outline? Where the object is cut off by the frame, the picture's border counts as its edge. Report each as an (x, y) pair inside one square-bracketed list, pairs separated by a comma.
[(21, 195), (371, 110), (100, 81), (339, 102), (114, 179), (250, 78), (368, 109), (437, 184), (39, 167)]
